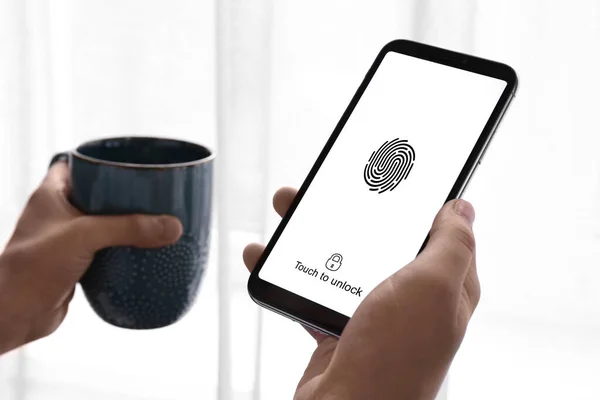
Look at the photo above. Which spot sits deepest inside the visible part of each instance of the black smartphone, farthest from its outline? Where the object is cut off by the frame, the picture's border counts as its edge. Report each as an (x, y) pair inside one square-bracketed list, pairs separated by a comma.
[(410, 140)]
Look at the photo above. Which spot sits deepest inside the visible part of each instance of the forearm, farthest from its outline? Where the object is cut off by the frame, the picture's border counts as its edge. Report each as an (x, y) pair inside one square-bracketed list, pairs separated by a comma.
[(13, 324)]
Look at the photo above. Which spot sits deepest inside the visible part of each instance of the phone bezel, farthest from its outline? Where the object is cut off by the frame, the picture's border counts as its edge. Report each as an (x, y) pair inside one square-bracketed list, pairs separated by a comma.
[(317, 316)]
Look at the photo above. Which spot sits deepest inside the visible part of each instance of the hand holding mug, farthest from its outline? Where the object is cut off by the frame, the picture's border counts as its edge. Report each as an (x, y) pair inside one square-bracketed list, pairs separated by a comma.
[(52, 246), (128, 218)]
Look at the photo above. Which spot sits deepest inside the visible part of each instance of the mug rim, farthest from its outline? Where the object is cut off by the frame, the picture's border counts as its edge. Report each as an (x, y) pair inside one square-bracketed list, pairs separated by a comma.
[(76, 153)]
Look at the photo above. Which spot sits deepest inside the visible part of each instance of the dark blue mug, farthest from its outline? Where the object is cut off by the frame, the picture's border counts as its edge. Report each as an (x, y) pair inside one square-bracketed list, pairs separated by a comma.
[(145, 288)]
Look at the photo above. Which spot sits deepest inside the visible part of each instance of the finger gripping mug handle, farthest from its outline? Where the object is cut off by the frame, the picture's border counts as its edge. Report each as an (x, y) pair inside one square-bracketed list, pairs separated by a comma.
[(63, 156)]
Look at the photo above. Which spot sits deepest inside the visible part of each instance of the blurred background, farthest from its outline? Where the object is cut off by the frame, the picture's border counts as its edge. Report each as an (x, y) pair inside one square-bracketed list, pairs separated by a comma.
[(264, 83)]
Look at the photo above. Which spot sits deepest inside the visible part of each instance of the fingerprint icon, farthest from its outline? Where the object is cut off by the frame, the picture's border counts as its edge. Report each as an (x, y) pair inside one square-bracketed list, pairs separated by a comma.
[(389, 165)]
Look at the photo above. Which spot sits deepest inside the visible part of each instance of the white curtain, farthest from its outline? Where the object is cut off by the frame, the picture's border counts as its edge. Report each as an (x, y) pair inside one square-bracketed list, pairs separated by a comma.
[(264, 82)]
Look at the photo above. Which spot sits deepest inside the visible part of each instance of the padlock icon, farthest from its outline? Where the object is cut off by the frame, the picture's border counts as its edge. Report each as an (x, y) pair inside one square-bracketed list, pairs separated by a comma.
[(334, 263)]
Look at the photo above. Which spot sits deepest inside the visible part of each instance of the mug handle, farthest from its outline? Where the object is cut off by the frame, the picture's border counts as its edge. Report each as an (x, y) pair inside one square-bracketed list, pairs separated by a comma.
[(63, 156)]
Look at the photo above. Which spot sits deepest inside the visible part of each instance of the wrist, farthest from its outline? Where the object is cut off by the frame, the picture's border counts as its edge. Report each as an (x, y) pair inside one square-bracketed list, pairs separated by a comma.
[(377, 380)]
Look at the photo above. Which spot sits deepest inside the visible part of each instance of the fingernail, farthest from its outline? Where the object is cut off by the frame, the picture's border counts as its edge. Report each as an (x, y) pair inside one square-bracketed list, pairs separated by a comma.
[(465, 209), (171, 228)]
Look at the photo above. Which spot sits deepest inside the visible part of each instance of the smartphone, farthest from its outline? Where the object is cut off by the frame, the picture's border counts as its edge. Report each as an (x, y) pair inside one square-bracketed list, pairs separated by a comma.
[(410, 140)]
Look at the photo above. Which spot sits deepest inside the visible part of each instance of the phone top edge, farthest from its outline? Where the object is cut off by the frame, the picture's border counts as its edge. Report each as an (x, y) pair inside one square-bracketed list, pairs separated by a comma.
[(456, 59)]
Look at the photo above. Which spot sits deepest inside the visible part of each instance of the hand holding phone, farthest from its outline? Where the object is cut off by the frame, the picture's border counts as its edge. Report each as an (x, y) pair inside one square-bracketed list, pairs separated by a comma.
[(404, 334)]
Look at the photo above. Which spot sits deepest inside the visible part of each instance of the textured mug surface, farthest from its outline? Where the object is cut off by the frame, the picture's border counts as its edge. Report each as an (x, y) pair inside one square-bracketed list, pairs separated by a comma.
[(145, 288)]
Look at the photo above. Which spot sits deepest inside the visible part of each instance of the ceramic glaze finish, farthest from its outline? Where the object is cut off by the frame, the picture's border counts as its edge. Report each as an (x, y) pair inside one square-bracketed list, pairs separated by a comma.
[(145, 288)]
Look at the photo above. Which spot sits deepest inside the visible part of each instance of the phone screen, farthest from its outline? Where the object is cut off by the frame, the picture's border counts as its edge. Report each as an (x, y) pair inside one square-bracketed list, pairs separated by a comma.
[(372, 202)]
